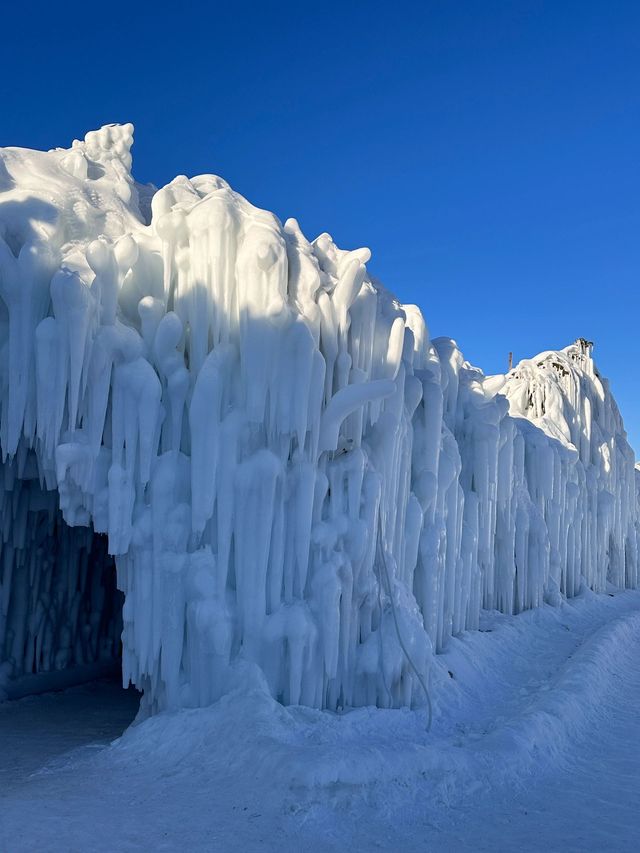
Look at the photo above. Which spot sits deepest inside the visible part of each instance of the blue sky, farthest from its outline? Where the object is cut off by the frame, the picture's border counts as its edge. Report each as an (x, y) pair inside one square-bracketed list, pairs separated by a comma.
[(486, 152)]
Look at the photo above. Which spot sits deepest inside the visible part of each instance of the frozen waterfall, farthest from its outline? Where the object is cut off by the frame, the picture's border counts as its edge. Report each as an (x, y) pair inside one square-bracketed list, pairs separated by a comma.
[(249, 419)]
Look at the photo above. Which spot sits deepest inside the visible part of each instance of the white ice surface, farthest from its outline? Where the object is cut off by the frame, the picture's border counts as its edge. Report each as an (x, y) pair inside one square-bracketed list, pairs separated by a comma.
[(255, 423), (535, 746)]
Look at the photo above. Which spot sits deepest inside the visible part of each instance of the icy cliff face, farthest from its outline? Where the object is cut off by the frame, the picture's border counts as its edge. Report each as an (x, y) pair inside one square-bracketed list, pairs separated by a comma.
[(289, 471)]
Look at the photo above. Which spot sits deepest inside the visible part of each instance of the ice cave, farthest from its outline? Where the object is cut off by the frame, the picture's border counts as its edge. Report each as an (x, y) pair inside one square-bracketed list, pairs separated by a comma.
[(229, 453), (61, 610)]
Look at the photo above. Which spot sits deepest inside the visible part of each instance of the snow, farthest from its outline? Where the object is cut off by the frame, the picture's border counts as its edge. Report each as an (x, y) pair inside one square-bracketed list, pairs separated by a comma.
[(373, 597), (535, 738), (294, 479)]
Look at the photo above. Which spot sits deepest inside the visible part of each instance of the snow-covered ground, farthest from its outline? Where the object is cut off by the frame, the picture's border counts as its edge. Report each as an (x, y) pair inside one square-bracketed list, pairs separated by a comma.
[(535, 746)]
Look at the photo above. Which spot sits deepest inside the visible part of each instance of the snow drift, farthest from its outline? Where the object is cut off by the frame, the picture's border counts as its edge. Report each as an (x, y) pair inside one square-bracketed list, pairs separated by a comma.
[(289, 471)]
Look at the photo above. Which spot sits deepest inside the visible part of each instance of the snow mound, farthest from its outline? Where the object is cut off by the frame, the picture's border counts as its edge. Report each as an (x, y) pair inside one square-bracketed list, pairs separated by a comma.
[(290, 473), (303, 752)]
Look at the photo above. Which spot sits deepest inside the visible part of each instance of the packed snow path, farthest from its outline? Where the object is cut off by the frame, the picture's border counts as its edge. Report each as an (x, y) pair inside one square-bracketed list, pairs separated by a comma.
[(38, 730), (535, 747)]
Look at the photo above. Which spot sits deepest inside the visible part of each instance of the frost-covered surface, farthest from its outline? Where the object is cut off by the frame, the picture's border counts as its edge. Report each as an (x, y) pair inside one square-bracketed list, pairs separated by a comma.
[(534, 746), (264, 434)]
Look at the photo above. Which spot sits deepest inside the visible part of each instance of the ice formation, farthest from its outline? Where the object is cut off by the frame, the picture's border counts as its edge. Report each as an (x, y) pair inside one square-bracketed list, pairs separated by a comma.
[(257, 426)]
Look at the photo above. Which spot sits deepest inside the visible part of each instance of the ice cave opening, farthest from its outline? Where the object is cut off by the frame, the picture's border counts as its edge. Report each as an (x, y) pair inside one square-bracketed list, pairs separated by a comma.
[(61, 610)]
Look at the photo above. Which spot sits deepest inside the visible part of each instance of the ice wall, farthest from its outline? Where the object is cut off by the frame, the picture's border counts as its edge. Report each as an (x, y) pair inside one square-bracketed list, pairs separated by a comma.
[(285, 464), (545, 457)]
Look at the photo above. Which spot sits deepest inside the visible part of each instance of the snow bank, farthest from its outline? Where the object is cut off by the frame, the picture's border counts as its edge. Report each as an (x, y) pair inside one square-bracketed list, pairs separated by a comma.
[(259, 427)]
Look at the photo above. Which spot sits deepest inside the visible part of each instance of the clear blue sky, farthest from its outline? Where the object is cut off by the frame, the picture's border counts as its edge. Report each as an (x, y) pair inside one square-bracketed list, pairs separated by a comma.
[(487, 152)]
